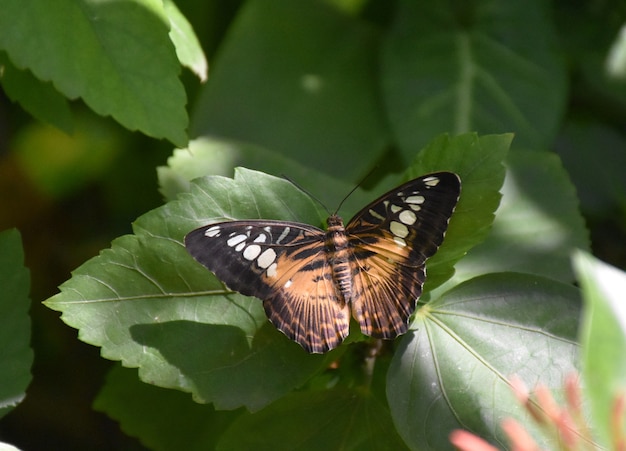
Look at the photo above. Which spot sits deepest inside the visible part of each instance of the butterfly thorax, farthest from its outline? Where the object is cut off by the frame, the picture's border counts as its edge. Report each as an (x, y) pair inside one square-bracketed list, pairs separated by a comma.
[(338, 255)]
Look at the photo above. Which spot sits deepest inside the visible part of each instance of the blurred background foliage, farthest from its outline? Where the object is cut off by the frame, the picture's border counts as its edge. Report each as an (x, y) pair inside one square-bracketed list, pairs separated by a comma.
[(70, 194)]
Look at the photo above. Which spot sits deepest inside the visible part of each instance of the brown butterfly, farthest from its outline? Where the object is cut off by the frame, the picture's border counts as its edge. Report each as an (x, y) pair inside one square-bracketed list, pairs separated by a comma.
[(312, 281)]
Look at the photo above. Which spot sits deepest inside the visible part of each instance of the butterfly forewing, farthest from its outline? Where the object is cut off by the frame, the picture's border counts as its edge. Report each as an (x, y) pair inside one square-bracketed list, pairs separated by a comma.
[(311, 281), (284, 264)]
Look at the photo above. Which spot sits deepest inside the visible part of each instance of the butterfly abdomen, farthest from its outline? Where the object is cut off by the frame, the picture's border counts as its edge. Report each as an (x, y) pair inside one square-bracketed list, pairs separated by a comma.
[(338, 254)]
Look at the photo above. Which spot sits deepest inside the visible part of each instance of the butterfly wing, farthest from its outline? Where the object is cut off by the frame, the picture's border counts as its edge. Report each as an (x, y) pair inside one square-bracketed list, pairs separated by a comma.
[(391, 239), (283, 264)]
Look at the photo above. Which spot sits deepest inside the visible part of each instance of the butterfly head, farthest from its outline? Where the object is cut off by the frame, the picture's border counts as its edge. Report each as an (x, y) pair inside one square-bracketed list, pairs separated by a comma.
[(334, 221)]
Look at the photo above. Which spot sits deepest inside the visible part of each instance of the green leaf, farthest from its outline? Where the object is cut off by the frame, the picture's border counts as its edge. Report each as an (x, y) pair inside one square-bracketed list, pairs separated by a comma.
[(116, 56), (313, 96), (16, 356), (537, 225), (451, 371), (483, 66), (161, 419), (603, 340), (147, 303), (331, 419)]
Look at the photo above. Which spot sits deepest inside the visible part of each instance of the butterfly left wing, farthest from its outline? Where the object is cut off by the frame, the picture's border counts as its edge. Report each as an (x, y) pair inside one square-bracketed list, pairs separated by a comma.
[(284, 264), (391, 240)]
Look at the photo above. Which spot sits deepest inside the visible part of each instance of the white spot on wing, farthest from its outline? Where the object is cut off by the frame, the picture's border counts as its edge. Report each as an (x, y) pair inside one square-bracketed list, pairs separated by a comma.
[(283, 235), (251, 252), (212, 232), (266, 259), (376, 215), (418, 200), (431, 181), (271, 271), (398, 229), (235, 240), (399, 241), (395, 208), (288, 283), (407, 217), (261, 238)]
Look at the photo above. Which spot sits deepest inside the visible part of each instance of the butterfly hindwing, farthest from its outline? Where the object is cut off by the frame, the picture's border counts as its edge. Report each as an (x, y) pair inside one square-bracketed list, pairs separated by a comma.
[(391, 239), (284, 264)]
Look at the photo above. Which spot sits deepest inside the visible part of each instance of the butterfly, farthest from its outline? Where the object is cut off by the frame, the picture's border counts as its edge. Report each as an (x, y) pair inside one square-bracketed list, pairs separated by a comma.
[(312, 281)]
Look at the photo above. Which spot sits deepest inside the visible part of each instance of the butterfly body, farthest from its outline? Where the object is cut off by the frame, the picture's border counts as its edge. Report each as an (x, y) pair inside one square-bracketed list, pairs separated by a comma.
[(339, 257), (312, 281)]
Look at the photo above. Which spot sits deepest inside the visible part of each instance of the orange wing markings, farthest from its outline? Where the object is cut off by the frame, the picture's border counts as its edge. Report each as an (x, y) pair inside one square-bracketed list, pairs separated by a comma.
[(303, 303)]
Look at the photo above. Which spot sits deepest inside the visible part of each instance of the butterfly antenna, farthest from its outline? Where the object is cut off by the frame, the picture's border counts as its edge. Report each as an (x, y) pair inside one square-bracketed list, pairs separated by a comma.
[(355, 188), (311, 195)]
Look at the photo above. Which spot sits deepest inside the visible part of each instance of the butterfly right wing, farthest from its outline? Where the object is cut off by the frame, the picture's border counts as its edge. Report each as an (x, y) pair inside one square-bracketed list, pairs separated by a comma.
[(283, 264)]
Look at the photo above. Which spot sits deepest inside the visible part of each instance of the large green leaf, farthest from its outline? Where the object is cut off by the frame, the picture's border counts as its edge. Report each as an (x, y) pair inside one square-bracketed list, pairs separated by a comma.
[(147, 303), (603, 340), (299, 78), (485, 66), (116, 56), (16, 356), (451, 371)]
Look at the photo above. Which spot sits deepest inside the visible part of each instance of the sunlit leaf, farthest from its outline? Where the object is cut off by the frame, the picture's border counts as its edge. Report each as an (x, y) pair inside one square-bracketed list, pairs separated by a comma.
[(451, 371)]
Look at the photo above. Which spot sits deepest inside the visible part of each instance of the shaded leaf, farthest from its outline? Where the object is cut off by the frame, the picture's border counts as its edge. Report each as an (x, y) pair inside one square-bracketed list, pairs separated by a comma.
[(451, 371), (313, 97), (331, 419), (161, 419), (490, 67), (16, 356)]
